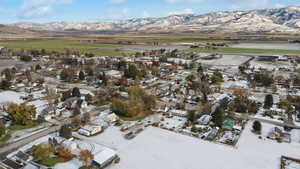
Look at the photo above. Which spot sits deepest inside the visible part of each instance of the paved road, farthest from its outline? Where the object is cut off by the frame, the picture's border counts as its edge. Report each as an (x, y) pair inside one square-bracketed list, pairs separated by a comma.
[(247, 117), (7, 148)]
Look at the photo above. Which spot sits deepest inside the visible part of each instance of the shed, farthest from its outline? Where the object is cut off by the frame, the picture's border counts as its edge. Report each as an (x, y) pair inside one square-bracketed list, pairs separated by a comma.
[(104, 157)]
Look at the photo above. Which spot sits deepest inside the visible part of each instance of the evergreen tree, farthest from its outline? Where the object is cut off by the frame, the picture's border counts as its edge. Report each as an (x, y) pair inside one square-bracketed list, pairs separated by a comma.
[(131, 72), (268, 101), (257, 127), (218, 117), (81, 75), (200, 69), (192, 117), (65, 132), (76, 92), (38, 67), (2, 128), (4, 85), (103, 78)]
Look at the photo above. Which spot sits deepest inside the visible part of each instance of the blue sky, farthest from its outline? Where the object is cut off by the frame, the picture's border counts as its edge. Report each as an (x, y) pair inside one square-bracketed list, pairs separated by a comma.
[(12, 11)]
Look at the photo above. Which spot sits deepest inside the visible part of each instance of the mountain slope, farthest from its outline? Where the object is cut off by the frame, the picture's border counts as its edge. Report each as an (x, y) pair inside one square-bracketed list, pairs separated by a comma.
[(282, 20), (5, 29)]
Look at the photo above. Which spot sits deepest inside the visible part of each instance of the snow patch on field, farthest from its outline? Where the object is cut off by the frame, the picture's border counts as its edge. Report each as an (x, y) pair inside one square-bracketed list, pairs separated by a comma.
[(161, 149)]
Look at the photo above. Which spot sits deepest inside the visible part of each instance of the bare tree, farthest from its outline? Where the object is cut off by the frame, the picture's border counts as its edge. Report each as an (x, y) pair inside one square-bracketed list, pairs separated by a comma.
[(86, 157)]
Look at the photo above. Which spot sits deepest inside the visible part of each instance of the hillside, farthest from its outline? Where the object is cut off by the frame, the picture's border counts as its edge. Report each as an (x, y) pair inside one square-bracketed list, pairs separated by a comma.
[(280, 20), (7, 29)]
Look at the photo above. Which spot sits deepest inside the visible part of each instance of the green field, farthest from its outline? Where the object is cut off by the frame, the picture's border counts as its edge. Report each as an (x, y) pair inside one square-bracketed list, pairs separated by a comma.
[(166, 37), (16, 127), (51, 161), (244, 50), (63, 45), (172, 38), (5, 138)]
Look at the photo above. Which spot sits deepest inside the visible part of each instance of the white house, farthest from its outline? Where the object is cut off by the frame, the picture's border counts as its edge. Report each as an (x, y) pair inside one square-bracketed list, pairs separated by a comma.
[(205, 119), (114, 73), (90, 130), (180, 113)]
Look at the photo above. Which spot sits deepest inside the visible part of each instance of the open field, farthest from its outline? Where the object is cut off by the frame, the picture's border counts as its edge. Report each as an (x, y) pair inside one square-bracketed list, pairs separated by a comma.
[(166, 149), (227, 61), (147, 47), (62, 45), (106, 45)]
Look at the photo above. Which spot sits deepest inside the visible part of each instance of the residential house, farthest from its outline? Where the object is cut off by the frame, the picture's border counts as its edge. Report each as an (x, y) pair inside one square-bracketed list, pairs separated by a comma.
[(205, 119), (179, 113), (89, 130)]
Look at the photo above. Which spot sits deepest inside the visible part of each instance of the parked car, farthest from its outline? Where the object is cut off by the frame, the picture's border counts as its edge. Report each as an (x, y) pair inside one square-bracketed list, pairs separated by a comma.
[(129, 136)]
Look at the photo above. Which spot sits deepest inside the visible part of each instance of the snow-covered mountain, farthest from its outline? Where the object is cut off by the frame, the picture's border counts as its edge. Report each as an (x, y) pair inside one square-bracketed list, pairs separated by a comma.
[(282, 20)]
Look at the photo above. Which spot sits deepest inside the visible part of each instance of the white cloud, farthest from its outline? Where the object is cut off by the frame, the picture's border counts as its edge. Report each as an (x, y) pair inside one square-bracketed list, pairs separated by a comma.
[(179, 1), (117, 1), (182, 12), (39, 8)]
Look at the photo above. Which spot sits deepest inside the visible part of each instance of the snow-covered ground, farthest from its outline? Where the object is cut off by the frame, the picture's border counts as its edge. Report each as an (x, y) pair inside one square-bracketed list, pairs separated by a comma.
[(38, 94), (291, 164), (11, 97), (156, 148), (235, 84), (174, 122), (161, 149), (39, 104), (73, 164)]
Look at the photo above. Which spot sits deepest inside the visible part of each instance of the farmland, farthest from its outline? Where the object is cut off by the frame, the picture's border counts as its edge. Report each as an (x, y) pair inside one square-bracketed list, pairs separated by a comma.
[(63, 45)]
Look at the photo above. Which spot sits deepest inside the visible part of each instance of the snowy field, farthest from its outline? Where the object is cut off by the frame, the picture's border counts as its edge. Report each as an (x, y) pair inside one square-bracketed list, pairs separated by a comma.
[(156, 148), (160, 149)]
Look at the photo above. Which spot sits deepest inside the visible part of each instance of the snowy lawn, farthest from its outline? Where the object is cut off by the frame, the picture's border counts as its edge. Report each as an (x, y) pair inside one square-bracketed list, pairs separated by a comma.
[(161, 149), (11, 97)]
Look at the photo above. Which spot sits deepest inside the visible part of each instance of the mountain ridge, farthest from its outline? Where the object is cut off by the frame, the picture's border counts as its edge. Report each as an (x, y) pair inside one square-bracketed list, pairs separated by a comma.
[(274, 20)]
